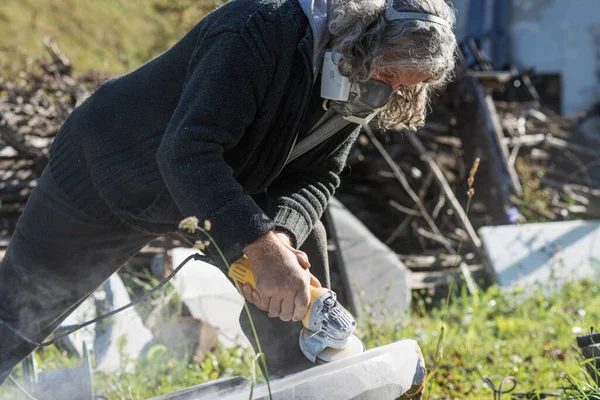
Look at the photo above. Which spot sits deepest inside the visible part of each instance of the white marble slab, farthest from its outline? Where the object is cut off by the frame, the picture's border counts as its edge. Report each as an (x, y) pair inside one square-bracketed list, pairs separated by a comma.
[(544, 253)]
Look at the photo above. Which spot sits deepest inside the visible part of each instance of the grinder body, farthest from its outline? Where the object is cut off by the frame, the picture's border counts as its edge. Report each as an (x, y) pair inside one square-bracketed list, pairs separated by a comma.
[(328, 327)]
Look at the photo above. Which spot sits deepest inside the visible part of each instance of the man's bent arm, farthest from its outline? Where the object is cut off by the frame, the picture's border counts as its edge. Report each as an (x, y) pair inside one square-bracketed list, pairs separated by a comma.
[(297, 201), (224, 86)]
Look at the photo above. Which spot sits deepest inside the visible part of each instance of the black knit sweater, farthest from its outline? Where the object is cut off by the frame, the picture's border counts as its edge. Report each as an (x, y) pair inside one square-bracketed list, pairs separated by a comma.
[(201, 129)]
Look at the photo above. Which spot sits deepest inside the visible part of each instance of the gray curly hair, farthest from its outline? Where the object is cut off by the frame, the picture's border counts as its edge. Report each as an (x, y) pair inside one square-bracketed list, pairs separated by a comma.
[(368, 41)]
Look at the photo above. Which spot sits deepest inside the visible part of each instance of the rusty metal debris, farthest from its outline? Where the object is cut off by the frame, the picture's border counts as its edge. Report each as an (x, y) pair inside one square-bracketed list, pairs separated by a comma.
[(500, 390), (590, 350)]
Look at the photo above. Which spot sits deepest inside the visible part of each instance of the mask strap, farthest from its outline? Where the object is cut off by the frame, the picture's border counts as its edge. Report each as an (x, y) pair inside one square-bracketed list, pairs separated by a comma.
[(391, 14)]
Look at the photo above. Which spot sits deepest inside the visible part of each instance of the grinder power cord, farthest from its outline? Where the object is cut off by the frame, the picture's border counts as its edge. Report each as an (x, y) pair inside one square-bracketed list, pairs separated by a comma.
[(328, 327), (196, 257)]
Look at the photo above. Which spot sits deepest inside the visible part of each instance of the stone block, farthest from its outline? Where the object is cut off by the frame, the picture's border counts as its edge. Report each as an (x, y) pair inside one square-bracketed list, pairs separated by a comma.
[(188, 338), (543, 253), (395, 371), (370, 266)]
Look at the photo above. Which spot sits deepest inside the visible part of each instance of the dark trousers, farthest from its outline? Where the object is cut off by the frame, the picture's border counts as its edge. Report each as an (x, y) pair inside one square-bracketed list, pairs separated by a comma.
[(59, 255)]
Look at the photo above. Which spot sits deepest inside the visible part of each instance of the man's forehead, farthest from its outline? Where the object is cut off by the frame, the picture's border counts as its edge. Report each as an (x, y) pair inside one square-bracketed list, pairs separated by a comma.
[(403, 77)]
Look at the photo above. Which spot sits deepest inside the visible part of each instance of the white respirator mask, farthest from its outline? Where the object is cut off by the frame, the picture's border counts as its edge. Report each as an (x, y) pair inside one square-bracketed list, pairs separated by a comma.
[(361, 102), (357, 102)]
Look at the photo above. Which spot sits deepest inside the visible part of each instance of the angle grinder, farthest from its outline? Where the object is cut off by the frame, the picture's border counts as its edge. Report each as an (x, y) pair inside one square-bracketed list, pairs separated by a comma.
[(328, 333)]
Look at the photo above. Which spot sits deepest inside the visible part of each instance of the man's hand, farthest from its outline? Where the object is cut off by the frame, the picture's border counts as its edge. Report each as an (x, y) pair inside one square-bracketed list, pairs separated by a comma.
[(300, 255), (282, 280)]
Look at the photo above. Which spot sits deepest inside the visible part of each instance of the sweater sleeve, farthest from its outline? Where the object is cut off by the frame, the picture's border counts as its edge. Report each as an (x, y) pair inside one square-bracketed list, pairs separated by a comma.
[(297, 201), (224, 86)]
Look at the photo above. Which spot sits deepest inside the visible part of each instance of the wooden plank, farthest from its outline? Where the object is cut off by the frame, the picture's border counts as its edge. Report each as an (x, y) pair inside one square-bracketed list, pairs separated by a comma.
[(498, 76), (416, 262), (441, 278), (496, 126), (443, 183)]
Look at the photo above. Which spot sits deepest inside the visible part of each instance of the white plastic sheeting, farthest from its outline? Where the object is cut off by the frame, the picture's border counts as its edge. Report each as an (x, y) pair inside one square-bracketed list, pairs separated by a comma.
[(210, 297)]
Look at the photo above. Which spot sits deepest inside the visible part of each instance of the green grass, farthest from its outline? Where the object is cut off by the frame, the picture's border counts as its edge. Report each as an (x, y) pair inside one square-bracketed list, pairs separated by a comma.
[(525, 333), (113, 36), (157, 373), (160, 373), (536, 200)]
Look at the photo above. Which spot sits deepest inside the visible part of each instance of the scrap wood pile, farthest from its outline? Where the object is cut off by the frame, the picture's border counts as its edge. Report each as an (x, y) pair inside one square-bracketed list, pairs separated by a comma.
[(534, 166), (559, 156), (33, 106), (411, 190)]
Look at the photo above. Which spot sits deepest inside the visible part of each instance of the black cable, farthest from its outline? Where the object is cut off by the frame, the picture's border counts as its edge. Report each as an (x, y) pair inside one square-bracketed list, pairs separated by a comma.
[(196, 256)]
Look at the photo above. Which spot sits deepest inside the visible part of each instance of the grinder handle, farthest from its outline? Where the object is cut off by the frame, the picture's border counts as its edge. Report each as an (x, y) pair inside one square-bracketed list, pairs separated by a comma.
[(241, 271), (315, 293)]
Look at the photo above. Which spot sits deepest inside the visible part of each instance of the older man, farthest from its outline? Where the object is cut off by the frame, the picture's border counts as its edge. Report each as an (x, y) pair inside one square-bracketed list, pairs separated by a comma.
[(211, 129)]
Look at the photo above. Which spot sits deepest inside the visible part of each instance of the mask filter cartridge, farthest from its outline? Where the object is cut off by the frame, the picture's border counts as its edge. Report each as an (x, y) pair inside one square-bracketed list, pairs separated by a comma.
[(357, 102)]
